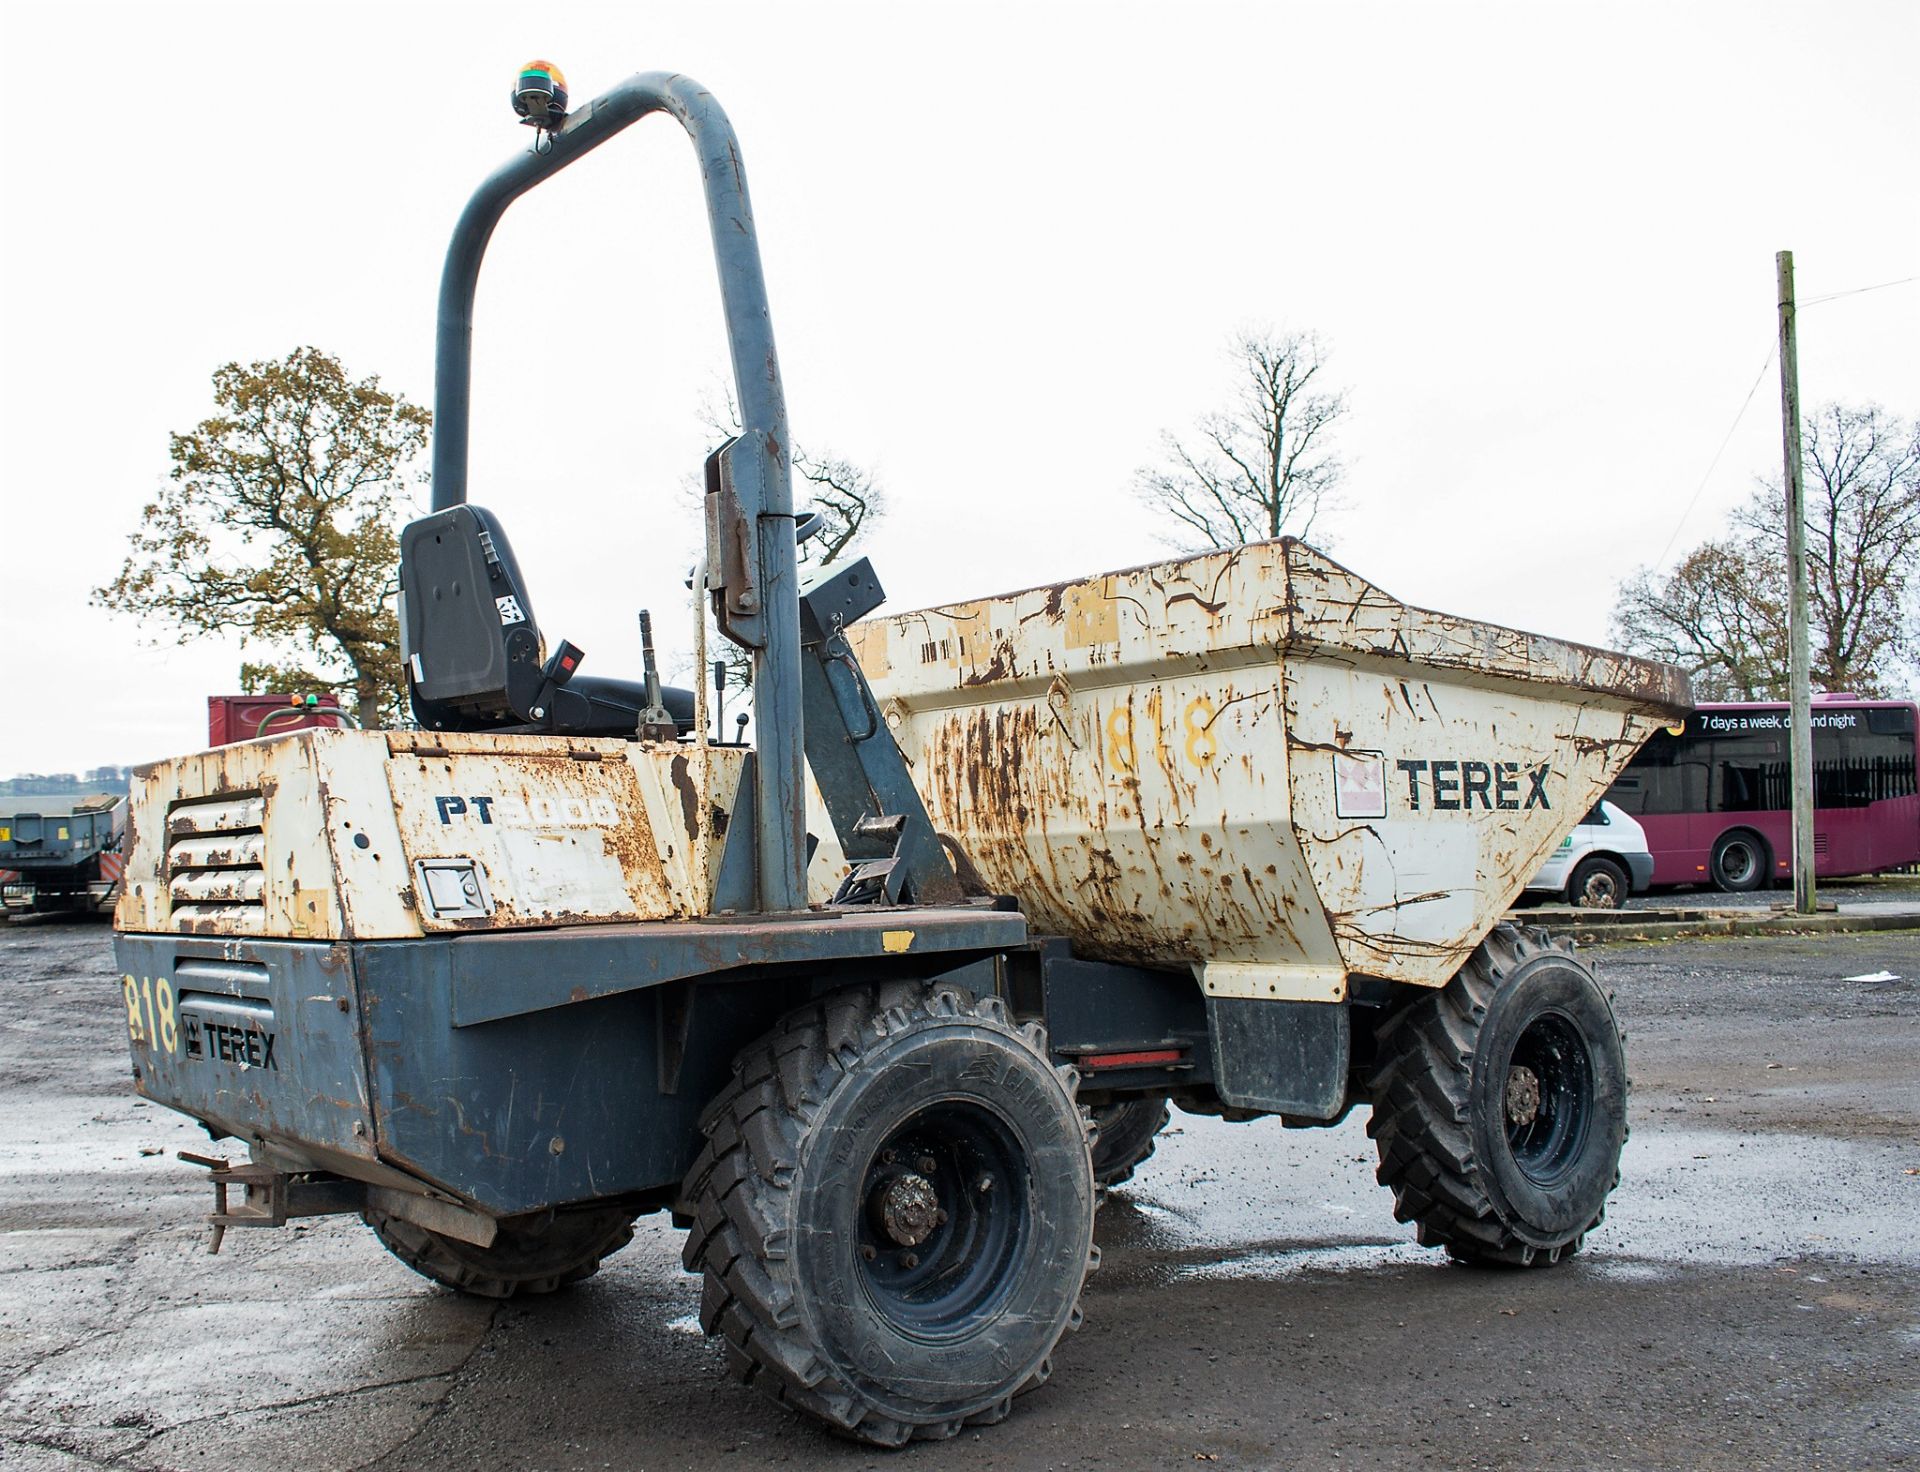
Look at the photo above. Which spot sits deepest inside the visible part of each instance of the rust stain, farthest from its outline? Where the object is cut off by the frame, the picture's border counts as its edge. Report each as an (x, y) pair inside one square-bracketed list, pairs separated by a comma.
[(1166, 797), (689, 795)]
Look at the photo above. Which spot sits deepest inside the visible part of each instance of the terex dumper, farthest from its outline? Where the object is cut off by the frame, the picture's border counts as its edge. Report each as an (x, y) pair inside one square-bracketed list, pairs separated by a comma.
[(1234, 831)]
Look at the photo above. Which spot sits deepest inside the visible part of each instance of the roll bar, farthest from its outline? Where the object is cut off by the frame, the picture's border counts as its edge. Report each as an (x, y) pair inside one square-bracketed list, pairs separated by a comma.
[(750, 533)]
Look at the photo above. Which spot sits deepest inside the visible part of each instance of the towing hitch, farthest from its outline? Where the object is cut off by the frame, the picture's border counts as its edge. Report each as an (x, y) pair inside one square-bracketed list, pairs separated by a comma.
[(269, 1197), (272, 1198)]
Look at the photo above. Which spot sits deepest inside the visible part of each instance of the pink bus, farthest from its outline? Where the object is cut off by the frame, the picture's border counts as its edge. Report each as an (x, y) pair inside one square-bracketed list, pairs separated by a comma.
[(1714, 794)]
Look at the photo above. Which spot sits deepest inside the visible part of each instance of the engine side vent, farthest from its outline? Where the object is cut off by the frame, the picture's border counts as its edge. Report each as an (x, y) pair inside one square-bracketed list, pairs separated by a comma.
[(216, 864)]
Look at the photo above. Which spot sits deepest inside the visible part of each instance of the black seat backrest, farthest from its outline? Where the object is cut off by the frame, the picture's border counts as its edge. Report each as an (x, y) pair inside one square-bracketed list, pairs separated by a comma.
[(466, 626), (472, 650)]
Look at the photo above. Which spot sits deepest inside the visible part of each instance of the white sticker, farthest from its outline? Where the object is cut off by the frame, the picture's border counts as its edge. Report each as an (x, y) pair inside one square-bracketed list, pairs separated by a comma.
[(509, 607), (1359, 786)]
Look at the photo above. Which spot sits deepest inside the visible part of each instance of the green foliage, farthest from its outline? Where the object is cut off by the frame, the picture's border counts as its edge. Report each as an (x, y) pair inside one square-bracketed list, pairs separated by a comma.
[(279, 524)]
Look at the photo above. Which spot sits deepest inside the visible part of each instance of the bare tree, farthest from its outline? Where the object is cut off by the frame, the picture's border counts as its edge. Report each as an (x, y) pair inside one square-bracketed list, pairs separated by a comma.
[(848, 498), (1263, 467), (1721, 614), (1862, 472)]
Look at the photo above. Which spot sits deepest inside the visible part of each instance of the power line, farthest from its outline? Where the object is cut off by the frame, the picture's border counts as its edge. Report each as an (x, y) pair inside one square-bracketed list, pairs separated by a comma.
[(1726, 440), (1834, 296)]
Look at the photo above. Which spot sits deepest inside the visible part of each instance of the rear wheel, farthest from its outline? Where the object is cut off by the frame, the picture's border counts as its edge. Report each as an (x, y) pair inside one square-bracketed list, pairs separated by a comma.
[(1598, 883), (893, 1212), (1740, 861), (1500, 1104), (1127, 1132), (537, 1256)]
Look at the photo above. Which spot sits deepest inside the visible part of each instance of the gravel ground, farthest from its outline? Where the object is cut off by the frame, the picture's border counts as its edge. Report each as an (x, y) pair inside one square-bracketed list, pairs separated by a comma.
[(1752, 1300)]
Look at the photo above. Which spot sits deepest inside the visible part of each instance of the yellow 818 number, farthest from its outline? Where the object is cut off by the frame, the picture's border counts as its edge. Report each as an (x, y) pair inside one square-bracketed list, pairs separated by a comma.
[(150, 1016)]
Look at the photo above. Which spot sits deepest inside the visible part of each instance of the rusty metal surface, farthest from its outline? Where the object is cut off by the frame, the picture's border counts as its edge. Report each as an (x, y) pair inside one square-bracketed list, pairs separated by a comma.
[(195, 842), (321, 835), (260, 1038), (1210, 762)]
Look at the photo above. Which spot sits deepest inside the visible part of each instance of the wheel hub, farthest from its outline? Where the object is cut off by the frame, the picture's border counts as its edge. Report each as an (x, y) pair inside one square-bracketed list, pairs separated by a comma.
[(1523, 1095), (909, 1209)]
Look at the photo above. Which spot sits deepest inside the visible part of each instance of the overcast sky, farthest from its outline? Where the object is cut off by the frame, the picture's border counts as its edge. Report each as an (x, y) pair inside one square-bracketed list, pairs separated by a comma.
[(1005, 246)]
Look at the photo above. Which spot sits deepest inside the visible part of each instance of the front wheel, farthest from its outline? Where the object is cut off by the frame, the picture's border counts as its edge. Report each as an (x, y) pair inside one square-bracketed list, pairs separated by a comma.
[(1739, 861), (1500, 1104), (1598, 883), (893, 1212)]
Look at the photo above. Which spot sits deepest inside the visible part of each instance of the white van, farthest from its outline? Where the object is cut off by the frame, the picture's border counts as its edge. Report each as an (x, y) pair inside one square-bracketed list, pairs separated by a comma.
[(1598, 864)]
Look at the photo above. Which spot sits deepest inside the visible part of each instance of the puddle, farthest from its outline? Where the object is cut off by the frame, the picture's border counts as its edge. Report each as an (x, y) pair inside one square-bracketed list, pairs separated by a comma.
[(1267, 1265), (1224, 1201)]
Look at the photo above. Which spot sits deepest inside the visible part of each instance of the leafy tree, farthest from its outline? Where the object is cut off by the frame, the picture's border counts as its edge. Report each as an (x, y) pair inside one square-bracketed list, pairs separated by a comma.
[(1722, 612), (1264, 466), (278, 524)]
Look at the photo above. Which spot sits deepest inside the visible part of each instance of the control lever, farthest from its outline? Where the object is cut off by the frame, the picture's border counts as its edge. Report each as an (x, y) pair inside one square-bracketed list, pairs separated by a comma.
[(656, 722)]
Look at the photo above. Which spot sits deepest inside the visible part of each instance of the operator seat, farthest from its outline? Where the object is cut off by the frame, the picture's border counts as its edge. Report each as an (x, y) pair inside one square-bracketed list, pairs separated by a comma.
[(473, 652)]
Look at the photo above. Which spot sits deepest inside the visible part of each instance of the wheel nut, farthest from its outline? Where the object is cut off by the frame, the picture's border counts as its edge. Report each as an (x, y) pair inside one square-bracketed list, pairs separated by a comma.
[(868, 1252), (909, 1259), (940, 1216), (924, 1165), (887, 1157)]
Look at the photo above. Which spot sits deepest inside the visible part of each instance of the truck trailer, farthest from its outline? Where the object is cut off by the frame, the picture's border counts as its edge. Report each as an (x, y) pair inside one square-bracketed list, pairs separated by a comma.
[(69, 859)]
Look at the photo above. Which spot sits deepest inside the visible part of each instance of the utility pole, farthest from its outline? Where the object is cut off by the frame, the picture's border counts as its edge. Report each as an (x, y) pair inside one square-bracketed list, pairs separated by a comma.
[(1799, 660)]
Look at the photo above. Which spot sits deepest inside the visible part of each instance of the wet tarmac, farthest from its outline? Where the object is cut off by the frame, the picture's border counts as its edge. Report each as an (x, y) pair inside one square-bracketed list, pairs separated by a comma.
[(1752, 1301)]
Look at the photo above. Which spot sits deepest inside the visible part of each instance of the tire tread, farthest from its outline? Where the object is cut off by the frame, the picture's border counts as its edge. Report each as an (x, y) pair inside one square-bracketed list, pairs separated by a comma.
[(736, 1194), (1420, 1087)]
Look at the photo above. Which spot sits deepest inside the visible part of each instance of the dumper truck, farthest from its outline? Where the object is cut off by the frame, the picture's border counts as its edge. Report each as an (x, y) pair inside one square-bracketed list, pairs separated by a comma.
[(67, 859), (1234, 831)]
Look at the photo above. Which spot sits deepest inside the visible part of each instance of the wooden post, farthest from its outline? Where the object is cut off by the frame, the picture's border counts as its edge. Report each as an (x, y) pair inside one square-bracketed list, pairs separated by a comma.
[(1799, 658)]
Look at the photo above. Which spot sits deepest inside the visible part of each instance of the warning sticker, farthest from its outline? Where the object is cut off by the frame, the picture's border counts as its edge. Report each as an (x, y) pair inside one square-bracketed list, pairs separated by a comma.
[(1359, 786)]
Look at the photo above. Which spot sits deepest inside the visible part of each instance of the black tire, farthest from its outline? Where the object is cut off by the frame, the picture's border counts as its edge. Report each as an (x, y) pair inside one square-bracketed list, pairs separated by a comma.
[(1126, 1134), (1500, 1104), (1741, 861), (1598, 883), (893, 1212), (541, 1256)]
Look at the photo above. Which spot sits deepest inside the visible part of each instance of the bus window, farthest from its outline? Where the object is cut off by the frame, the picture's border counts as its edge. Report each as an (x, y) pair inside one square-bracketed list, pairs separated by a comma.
[(1653, 786), (1730, 768), (1740, 788)]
